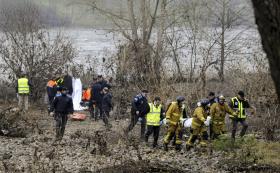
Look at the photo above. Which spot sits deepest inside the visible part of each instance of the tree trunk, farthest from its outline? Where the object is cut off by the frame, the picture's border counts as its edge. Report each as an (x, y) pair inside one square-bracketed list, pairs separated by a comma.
[(222, 63), (267, 14), (144, 19), (132, 20), (160, 40)]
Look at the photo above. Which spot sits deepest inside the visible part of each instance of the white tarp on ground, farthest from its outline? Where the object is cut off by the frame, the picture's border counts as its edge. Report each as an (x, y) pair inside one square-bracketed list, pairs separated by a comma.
[(77, 93)]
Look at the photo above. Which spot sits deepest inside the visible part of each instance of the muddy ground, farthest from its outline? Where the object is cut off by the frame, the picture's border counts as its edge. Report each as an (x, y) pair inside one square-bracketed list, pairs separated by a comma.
[(88, 147)]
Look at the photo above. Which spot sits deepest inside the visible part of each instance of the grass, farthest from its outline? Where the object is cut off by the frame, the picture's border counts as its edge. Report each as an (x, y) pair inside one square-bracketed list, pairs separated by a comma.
[(249, 150), (270, 152)]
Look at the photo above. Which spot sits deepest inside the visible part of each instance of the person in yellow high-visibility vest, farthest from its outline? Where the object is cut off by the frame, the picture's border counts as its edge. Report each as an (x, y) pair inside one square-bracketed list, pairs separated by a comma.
[(240, 104), (153, 120), (23, 90)]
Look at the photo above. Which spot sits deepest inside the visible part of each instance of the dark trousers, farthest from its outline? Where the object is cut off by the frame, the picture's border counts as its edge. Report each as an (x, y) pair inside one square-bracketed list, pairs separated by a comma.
[(133, 120), (155, 131), (95, 111), (105, 117), (60, 123), (234, 127)]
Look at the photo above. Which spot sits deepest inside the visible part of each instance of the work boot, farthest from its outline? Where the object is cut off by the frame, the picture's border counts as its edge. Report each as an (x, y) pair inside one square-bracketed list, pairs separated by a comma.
[(178, 147), (203, 144), (155, 145), (188, 146), (57, 135), (146, 139), (165, 147), (108, 127)]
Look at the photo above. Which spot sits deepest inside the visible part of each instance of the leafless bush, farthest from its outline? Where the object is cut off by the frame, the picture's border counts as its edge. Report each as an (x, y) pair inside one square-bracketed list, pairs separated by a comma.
[(27, 47)]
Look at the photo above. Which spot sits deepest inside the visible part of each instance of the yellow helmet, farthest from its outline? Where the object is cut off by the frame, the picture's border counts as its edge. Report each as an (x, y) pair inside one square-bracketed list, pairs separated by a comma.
[(222, 97)]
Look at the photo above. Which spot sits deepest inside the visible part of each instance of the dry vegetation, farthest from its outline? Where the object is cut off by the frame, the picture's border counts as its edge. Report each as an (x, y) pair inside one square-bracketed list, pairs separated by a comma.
[(151, 44)]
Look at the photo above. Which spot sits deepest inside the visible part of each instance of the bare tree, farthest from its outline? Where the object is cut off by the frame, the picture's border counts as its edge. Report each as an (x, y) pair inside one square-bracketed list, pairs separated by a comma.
[(225, 16), (27, 47)]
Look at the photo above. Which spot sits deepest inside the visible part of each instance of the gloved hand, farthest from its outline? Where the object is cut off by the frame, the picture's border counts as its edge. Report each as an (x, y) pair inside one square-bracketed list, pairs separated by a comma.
[(137, 112), (207, 121), (167, 122), (52, 114)]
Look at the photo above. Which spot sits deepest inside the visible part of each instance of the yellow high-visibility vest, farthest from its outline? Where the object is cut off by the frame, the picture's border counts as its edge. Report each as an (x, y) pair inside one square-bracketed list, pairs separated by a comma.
[(23, 87), (238, 105), (153, 117)]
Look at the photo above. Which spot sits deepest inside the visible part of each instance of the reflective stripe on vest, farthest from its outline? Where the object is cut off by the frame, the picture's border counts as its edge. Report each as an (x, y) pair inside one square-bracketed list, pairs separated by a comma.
[(153, 117), (59, 81), (241, 113), (23, 87)]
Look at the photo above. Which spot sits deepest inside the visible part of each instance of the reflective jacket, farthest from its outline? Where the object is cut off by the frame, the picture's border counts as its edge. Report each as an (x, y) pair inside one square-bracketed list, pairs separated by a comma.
[(23, 86), (51, 83), (51, 89), (86, 94), (199, 116), (174, 113), (155, 115), (59, 82), (218, 113), (240, 106)]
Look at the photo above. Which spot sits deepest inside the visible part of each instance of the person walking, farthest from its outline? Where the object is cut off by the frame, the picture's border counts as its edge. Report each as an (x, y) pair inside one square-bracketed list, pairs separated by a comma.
[(218, 113), (174, 115), (23, 86), (199, 125), (154, 117), (60, 108), (107, 106), (95, 106), (139, 110), (51, 90), (240, 104)]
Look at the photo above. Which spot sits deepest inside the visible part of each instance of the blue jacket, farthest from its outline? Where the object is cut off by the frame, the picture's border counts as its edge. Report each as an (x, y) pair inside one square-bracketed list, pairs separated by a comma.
[(140, 103)]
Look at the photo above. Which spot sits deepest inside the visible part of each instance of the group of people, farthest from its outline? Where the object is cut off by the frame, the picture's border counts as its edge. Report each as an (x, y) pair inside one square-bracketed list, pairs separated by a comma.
[(98, 98), (209, 113)]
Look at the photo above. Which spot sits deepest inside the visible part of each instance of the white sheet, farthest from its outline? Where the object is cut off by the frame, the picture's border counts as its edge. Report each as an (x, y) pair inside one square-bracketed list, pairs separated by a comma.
[(187, 123), (77, 93)]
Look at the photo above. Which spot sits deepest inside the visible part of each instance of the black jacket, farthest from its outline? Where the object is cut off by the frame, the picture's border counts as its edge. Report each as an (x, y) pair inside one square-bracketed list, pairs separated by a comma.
[(104, 84), (51, 93), (67, 82), (96, 93), (107, 102), (214, 100), (140, 103), (62, 104)]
